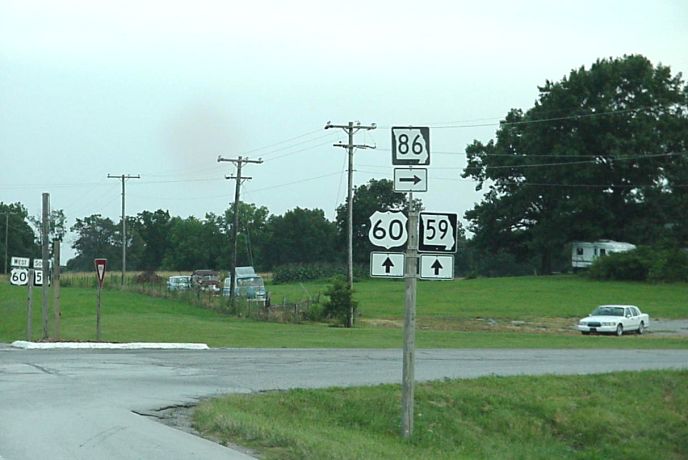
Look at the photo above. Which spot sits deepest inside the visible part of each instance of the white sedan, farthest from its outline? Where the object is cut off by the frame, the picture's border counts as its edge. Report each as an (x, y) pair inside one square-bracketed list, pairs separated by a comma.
[(615, 319)]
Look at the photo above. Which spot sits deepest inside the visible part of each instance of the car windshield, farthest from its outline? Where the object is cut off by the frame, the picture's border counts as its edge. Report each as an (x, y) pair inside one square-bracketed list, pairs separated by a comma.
[(608, 311), (254, 282)]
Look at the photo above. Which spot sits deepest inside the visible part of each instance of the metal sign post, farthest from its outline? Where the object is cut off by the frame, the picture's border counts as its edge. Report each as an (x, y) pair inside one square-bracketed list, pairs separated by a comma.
[(100, 274)]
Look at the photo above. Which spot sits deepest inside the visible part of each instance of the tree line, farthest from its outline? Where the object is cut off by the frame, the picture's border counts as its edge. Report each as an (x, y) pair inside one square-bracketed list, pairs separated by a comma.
[(157, 240)]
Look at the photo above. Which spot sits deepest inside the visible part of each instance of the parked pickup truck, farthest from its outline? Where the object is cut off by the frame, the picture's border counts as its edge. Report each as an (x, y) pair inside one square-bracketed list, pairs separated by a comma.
[(615, 319)]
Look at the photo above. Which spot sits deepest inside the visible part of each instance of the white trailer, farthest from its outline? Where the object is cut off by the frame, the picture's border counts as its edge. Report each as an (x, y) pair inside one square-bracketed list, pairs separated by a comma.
[(583, 254)]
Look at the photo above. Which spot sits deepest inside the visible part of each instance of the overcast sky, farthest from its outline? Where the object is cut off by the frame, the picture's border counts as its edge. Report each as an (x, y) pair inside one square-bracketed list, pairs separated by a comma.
[(161, 88)]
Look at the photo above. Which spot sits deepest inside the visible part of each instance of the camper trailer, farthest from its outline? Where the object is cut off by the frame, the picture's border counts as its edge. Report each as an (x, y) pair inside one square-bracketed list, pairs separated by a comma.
[(583, 254)]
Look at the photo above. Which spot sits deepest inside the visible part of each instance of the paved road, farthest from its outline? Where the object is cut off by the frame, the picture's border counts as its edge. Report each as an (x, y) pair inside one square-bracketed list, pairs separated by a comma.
[(83, 404)]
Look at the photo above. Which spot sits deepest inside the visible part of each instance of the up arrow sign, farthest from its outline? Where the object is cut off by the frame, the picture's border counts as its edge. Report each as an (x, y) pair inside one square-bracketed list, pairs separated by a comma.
[(436, 266), (387, 264)]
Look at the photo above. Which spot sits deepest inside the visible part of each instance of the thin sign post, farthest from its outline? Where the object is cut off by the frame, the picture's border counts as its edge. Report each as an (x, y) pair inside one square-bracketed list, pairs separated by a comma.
[(100, 264), (29, 307)]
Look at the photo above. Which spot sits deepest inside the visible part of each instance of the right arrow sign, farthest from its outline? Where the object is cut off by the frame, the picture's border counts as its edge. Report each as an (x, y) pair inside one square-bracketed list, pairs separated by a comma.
[(436, 267), (410, 180)]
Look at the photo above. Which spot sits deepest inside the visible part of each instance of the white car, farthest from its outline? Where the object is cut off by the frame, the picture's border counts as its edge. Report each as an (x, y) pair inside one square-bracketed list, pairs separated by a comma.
[(615, 319)]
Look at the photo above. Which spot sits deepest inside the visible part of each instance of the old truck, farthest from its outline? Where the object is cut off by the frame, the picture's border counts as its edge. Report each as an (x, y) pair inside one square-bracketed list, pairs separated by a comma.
[(248, 284)]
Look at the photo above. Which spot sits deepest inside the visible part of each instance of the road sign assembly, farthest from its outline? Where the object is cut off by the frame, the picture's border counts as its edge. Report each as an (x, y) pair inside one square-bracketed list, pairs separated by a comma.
[(436, 267), (388, 229), (100, 270), (437, 232), (410, 180), (411, 145), (387, 264)]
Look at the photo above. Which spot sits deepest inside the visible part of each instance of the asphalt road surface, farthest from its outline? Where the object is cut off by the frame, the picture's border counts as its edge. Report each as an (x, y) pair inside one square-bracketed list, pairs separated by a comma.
[(87, 404)]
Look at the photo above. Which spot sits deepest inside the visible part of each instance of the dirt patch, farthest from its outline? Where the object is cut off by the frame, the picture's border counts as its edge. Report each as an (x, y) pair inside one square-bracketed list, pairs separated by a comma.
[(546, 325), (181, 417), (543, 326), (386, 323), (669, 327), (530, 326)]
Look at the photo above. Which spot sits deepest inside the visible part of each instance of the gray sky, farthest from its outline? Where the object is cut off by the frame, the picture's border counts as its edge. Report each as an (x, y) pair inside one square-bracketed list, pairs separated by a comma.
[(161, 88)]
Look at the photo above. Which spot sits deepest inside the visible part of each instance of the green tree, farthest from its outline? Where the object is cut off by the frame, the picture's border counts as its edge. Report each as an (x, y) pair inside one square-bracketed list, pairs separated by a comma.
[(194, 244), (300, 236), (252, 235), (97, 236), (154, 230), (376, 195), (340, 305), (21, 240), (601, 154)]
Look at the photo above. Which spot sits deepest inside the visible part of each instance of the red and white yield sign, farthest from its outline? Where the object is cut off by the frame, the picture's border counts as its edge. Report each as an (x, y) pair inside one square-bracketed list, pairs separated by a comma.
[(100, 270)]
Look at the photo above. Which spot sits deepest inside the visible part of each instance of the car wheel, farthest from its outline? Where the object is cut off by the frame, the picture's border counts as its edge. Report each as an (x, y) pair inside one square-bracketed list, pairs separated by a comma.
[(641, 328), (619, 330)]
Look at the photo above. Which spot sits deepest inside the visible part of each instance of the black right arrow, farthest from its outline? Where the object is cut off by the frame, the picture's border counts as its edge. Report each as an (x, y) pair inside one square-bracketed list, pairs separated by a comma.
[(437, 266), (388, 264), (415, 179)]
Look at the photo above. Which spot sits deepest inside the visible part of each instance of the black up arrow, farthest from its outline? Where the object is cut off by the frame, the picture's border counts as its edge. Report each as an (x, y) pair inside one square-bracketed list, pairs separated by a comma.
[(387, 264), (415, 179), (437, 266)]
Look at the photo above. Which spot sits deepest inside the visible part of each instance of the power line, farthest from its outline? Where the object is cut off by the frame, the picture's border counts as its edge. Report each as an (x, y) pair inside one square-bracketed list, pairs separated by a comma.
[(474, 124), (327, 135), (569, 163), (284, 141)]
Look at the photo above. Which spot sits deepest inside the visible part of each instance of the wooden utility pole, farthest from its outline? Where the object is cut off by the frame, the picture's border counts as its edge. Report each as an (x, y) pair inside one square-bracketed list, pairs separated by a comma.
[(238, 162), (56, 287), (45, 229), (123, 177), (351, 128), (409, 358)]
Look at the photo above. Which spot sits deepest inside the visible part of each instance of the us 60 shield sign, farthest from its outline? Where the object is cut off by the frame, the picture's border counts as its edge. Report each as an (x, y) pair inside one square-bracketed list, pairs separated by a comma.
[(388, 229)]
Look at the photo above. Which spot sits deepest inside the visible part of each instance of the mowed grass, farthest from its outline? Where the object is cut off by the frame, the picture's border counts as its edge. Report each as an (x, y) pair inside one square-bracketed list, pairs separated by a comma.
[(625, 415), (128, 316), (521, 297)]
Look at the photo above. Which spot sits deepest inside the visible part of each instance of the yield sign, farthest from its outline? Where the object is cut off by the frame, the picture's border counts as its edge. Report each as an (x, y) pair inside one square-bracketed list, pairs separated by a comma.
[(100, 270), (436, 267), (387, 264)]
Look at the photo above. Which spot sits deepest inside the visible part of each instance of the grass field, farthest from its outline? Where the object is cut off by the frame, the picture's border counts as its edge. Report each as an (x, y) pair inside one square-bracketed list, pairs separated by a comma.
[(508, 312), (614, 416)]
